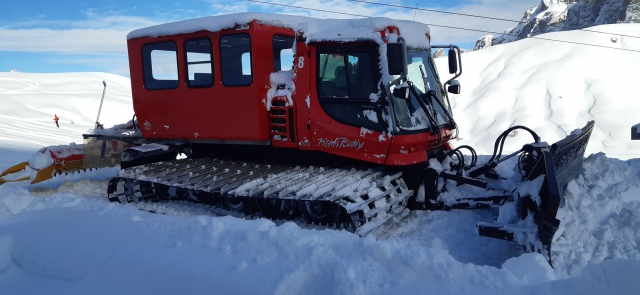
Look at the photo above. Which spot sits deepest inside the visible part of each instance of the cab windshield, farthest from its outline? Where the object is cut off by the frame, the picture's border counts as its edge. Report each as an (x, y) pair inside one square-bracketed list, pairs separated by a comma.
[(410, 115)]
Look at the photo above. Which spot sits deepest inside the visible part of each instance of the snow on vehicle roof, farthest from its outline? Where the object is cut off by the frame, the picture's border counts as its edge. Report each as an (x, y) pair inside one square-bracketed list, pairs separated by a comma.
[(217, 23), (365, 28), (312, 28)]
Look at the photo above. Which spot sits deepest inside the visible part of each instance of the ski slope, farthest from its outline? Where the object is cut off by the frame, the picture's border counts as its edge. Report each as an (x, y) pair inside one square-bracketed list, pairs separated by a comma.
[(63, 237), (29, 102)]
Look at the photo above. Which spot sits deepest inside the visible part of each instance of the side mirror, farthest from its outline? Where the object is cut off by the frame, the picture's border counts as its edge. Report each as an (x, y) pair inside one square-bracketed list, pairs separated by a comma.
[(453, 61), (454, 87), (401, 92), (397, 57)]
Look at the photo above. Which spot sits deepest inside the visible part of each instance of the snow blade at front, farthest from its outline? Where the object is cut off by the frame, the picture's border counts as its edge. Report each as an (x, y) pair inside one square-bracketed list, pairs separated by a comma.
[(554, 168)]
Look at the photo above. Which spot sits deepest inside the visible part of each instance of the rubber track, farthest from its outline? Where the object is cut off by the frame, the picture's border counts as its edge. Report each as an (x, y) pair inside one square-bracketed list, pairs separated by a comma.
[(363, 199)]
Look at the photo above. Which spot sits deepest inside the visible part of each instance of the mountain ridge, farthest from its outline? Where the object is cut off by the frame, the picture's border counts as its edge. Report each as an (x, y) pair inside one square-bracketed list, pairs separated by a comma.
[(562, 15)]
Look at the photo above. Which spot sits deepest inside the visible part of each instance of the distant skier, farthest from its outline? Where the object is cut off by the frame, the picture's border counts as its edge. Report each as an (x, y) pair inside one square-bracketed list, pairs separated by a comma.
[(55, 118)]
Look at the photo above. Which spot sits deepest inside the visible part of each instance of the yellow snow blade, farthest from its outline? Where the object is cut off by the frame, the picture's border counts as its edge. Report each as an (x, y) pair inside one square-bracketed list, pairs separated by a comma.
[(44, 174), (14, 169)]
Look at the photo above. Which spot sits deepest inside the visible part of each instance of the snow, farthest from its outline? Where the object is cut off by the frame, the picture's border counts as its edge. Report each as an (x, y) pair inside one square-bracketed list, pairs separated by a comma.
[(281, 84), (530, 268), (217, 23), (313, 29), (552, 88), (366, 28), (371, 115), (62, 236), (30, 100)]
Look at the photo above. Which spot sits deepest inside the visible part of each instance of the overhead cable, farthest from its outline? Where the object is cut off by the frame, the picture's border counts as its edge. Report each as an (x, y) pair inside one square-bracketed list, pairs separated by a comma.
[(478, 16), (447, 27)]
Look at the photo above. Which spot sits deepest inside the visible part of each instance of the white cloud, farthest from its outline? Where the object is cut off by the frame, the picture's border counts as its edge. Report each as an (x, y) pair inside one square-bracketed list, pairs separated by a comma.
[(107, 33), (63, 41), (110, 63)]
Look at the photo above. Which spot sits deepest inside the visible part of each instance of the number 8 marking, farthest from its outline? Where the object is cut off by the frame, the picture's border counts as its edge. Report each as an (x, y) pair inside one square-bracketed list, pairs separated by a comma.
[(301, 62)]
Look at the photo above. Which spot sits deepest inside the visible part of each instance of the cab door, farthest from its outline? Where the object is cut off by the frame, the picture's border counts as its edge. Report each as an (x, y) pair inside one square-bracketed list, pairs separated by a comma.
[(348, 117)]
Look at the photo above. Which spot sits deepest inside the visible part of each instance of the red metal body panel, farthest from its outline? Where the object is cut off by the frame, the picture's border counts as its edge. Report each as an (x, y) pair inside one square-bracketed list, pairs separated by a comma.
[(302, 97), (411, 149), (239, 112), (336, 138), (219, 112)]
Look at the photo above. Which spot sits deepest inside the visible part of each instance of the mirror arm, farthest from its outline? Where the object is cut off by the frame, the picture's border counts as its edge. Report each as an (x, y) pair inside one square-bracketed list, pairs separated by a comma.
[(457, 49)]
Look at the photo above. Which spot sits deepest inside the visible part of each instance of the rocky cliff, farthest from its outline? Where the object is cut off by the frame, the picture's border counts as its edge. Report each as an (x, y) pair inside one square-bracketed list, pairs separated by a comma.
[(564, 15)]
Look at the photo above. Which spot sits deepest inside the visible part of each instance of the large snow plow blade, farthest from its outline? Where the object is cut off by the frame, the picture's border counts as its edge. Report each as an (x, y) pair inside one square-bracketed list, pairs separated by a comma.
[(12, 170), (46, 163), (558, 166), (528, 213)]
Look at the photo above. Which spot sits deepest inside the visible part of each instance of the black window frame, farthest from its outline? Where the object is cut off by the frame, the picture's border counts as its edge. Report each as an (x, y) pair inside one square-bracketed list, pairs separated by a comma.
[(346, 49), (350, 111), (187, 63), (147, 68), (222, 60), (277, 62)]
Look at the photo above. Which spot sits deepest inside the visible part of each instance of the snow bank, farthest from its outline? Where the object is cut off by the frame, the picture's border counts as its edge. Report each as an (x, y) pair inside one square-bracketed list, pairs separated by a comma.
[(530, 268), (233, 255), (601, 218), (552, 88)]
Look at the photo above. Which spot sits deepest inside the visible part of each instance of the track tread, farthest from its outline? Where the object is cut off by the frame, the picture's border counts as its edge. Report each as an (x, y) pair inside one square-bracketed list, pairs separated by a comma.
[(362, 198)]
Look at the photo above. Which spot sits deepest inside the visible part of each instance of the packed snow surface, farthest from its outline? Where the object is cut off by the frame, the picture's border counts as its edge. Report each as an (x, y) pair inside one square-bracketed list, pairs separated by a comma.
[(62, 236)]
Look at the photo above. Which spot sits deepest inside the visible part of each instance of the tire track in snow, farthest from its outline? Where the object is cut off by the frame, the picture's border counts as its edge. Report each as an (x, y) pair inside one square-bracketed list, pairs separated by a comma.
[(595, 100), (30, 85), (14, 132), (551, 112)]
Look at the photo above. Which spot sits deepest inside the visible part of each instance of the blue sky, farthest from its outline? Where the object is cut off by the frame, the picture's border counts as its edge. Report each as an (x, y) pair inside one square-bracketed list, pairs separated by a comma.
[(90, 36)]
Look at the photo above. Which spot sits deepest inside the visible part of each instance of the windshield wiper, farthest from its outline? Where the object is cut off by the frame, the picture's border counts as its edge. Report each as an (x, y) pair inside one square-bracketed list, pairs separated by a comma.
[(435, 128)]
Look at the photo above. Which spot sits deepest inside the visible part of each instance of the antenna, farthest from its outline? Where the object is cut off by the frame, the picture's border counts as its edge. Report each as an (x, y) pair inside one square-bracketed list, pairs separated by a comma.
[(100, 109)]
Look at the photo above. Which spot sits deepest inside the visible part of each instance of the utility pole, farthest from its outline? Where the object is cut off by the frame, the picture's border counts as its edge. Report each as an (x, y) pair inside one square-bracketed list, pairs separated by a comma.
[(100, 109)]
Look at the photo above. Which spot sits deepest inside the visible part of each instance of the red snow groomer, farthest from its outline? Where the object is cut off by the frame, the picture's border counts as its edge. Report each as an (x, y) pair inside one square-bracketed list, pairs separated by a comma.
[(343, 123)]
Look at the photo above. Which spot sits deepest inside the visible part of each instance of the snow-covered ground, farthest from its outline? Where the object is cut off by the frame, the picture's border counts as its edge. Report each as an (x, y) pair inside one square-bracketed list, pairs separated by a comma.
[(63, 237)]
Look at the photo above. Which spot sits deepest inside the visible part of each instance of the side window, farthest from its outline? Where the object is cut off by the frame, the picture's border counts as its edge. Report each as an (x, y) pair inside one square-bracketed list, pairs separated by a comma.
[(346, 77), (282, 53), (199, 66), (160, 65), (235, 54), (333, 76)]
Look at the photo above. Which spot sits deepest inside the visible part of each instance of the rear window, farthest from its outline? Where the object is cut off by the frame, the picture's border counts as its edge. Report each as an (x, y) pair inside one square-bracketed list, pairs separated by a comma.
[(235, 55), (199, 65), (282, 53), (160, 65)]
